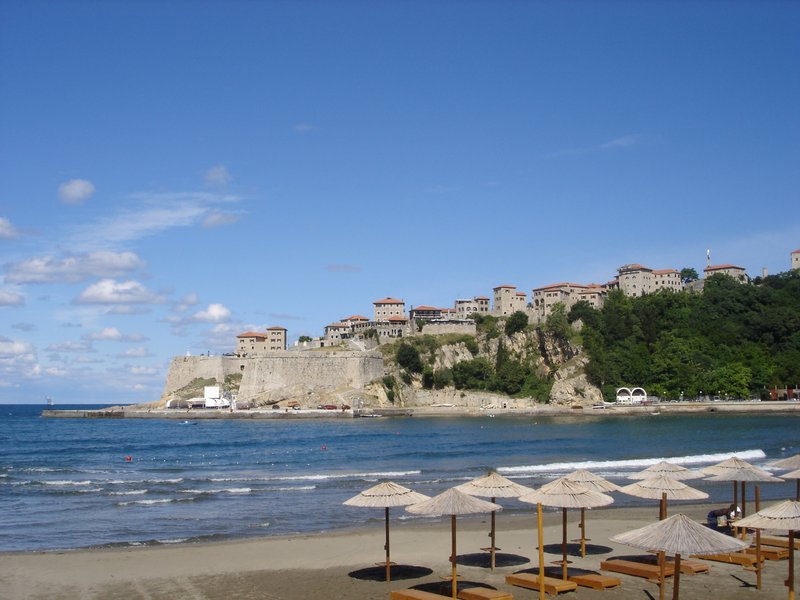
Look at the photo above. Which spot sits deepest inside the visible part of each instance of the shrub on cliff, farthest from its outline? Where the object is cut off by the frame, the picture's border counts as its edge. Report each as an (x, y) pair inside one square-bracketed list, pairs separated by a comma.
[(408, 358), (516, 322)]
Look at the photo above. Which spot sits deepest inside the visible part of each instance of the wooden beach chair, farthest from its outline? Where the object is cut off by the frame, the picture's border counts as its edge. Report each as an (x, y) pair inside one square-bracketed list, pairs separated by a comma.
[(779, 542), (552, 585), (410, 594), (688, 566), (748, 561), (596, 581), (649, 571), (769, 553), (483, 593)]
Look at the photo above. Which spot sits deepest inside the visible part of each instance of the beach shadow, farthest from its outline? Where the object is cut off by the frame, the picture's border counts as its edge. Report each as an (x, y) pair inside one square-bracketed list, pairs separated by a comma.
[(484, 559), (556, 571), (399, 573), (443, 587), (744, 582), (575, 549)]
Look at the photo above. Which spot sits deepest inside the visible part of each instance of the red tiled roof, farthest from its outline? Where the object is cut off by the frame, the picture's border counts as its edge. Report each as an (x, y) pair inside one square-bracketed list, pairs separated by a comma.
[(356, 318), (423, 307), (557, 285), (664, 271), (520, 293), (389, 301), (796, 251), (513, 287), (338, 325), (481, 298), (254, 334), (718, 267), (635, 266), (276, 328), (397, 319)]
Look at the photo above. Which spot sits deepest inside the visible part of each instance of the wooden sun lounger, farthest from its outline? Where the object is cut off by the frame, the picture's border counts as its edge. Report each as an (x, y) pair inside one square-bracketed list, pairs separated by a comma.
[(734, 558), (483, 593), (688, 566), (637, 569), (415, 595), (770, 553), (552, 585), (595, 581), (780, 542)]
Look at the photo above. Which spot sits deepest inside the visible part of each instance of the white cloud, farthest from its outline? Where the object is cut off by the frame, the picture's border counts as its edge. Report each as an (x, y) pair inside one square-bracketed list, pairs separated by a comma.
[(108, 333), (17, 357), (75, 191), (186, 303), (23, 326), (7, 230), (215, 313), (218, 219), (8, 298), (109, 291), (217, 176), (136, 352), (160, 212), (149, 371), (625, 141), (303, 128), (620, 142), (55, 372), (69, 347), (73, 268)]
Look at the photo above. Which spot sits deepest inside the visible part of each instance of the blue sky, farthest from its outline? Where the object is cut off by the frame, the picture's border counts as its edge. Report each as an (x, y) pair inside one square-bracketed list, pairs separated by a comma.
[(174, 173)]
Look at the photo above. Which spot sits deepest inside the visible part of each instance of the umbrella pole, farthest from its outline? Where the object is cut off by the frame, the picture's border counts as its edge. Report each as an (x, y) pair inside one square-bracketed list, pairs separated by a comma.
[(454, 585), (661, 574), (797, 494), (676, 584), (388, 560), (564, 544), (492, 551), (583, 532), (744, 511), (759, 564), (662, 509), (790, 580), (540, 535)]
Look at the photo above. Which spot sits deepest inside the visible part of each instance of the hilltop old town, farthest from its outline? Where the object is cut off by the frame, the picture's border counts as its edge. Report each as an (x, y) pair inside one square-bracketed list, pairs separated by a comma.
[(390, 319)]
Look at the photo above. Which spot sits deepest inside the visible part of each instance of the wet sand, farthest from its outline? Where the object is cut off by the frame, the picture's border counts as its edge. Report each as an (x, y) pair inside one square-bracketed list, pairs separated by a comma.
[(341, 565)]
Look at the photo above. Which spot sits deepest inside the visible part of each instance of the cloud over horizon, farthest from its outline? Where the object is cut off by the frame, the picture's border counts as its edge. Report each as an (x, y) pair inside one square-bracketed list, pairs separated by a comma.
[(73, 268), (110, 291), (75, 191)]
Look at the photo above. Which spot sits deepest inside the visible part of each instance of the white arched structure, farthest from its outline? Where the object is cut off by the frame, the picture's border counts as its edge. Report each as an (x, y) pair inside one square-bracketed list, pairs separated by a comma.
[(635, 395)]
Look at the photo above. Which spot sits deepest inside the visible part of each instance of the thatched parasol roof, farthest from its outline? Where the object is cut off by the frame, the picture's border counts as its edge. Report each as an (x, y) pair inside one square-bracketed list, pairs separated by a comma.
[(784, 515), (792, 462), (669, 469), (654, 487), (679, 535), (736, 469), (791, 475), (385, 495), (493, 485), (563, 493), (452, 502), (591, 481)]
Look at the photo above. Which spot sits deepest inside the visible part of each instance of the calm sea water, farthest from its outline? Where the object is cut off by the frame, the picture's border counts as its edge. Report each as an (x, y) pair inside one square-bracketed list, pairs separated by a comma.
[(66, 483)]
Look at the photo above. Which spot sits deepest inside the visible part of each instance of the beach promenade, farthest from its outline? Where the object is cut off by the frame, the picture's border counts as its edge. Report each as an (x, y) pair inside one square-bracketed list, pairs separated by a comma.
[(341, 565)]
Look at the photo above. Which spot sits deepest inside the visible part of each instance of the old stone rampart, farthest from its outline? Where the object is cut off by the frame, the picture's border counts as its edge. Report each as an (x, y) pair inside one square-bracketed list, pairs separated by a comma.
[(265, 377)]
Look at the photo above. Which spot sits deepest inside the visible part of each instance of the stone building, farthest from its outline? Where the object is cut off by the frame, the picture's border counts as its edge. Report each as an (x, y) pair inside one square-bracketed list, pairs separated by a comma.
[(426, 313), (667, 279), (388, 307), (544, 298), (737, 273), (638, 280), (507, 300), (477, 305), (253, 343), (796, 260)]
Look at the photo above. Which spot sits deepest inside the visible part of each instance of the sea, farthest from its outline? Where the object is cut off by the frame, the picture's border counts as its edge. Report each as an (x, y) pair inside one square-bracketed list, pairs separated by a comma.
[(78, 483)]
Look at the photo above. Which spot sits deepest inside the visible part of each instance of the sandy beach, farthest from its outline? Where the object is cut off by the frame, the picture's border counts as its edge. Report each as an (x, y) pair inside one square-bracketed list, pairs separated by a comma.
[(342, 564)]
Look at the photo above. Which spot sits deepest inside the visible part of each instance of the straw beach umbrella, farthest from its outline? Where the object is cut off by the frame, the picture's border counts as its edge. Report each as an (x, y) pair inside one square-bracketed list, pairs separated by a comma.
[(563, 493), (493, 486), (796, 476), (663, 488), (782, 516), (677, 472), (386, 495), (735, 470), (452, 502), (592, 482), (678, 535), (792, 462)]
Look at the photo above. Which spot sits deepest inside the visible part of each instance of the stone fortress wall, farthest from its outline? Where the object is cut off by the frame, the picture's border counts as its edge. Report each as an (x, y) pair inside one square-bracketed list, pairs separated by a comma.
[(279, 370)]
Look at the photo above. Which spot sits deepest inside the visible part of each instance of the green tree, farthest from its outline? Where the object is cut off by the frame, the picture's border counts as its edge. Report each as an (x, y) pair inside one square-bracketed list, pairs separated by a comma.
[(516, 322), (557, 322), (689, 274), (472, 374), (304, 338), (408, 358)]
